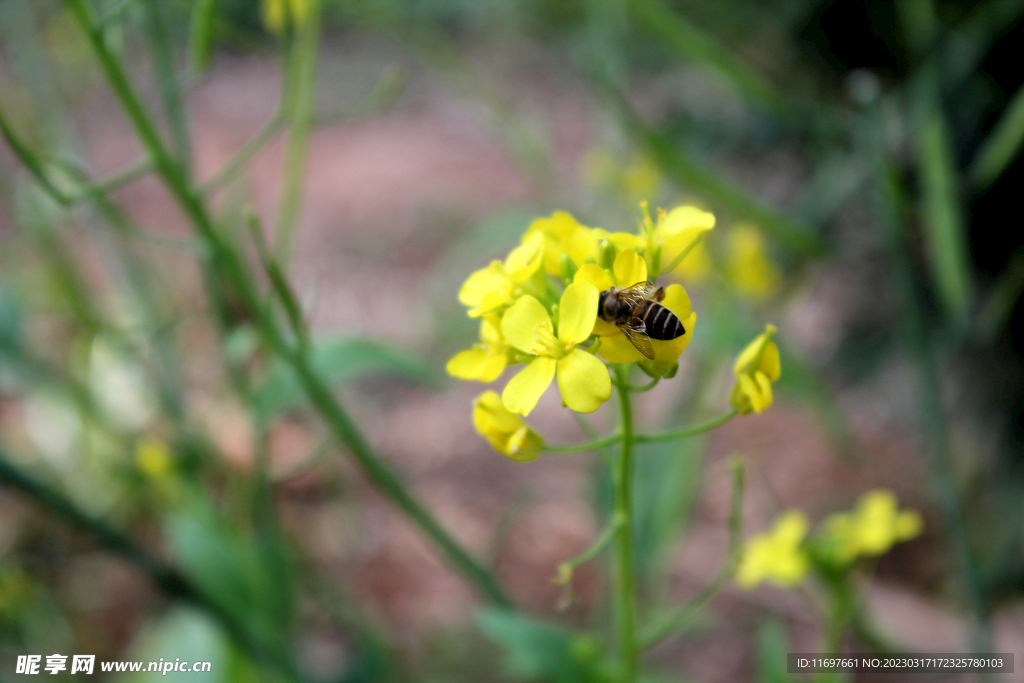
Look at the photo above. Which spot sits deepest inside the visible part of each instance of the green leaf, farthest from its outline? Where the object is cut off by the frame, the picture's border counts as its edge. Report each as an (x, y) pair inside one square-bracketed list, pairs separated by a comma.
[(337, 361), (243, 577), (543, 651), (772, 647)]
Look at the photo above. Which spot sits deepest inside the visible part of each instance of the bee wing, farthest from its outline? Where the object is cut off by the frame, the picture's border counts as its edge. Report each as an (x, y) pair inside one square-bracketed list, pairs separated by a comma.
[(636, 332), (639, 291)]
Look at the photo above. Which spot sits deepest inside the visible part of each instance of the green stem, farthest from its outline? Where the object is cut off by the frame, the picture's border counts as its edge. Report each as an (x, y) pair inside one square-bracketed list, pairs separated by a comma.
[(169, 580), (565, 569), (676, 620), (688, 431), (639, 389), (228, 268), (299, 110), (622, 481), (584, 447)]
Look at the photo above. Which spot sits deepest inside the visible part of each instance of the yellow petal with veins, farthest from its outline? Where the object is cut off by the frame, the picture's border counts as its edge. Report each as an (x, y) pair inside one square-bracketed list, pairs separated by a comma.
[(577, 311), (583, 381), (525, 389), (520, 324)]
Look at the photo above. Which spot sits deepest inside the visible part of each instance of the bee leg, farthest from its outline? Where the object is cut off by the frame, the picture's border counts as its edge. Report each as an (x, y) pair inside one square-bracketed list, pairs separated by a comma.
[(659, 295)]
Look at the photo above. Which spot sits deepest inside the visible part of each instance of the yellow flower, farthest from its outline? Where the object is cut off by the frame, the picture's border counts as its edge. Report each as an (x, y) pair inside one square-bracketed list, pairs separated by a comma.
[(564, 235), (748, 267), (756, 368), (582, 379), (508, 433), (629, 268), (777, 555), (871, 528), (486, 360), (491, 289), (677, 233), (277, 14), (640, 178), (154, 459)]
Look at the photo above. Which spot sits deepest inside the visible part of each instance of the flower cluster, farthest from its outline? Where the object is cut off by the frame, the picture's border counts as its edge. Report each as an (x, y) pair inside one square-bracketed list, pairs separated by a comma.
[(784, 555), (539, 308)]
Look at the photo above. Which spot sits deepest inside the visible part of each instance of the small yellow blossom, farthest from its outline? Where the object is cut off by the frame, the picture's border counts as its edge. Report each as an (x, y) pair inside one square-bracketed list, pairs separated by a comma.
[(277, 14), (492, 289), (508, 433), (871, 528), (154, 459), (640, 179), (777, 556), (667, 243), (582, 379), (486, 360), (629, 269), (756, 368), (696, 265), (564, 235), (748, 267)]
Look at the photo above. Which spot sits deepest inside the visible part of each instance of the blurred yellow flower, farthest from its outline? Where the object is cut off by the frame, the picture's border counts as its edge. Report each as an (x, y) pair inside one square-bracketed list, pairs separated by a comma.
[(756, 368), (277, 14), (508, 433), (640, 179), (777, 555), (629, 268), (153, 458), (486, 360), (871, 528), (582, 379), (748, 267), (489, 290), (670, 241)]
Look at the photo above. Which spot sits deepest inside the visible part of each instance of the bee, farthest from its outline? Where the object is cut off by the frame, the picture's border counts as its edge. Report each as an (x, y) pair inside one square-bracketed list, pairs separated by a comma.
[(637, 311)]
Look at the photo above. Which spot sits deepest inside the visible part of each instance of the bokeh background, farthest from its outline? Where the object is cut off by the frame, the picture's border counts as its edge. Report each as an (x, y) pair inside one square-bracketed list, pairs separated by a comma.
[(861, 160)]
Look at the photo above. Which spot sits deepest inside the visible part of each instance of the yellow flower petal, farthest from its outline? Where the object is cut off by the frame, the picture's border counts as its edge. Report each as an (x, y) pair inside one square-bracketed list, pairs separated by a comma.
[(583, 381), (577, 311), (524, 390), (908, 525), (557, 229), (520, 324), (764, 387), (617, 349), (629, 268), (490, 415), (526, 259), (468, 364), (506, 431), (771, 365), (581, 246), (482, 282), (595, 275)]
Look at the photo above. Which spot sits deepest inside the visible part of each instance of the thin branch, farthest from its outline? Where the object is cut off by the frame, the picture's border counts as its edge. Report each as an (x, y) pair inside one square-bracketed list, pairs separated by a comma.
[(687, 431), (676, 620)]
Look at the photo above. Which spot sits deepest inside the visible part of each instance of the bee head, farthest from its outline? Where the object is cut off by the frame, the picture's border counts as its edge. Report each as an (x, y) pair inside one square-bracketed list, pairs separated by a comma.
[(607, 306)]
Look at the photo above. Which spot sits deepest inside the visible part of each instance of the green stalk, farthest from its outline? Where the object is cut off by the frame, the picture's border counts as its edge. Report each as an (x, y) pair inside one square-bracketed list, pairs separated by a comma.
[(299, 100), (226, 266), (687, 431), (624, 582), (168, 579)]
